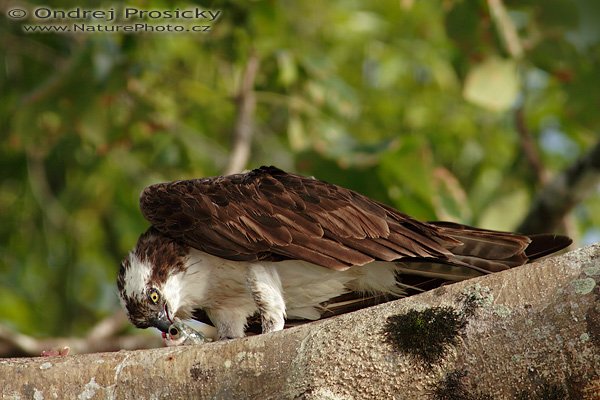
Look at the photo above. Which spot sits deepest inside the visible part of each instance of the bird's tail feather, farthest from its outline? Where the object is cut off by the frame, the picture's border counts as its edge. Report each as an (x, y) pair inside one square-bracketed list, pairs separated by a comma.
[(544, 244), (435, 269), (483, 251), (475, 252)]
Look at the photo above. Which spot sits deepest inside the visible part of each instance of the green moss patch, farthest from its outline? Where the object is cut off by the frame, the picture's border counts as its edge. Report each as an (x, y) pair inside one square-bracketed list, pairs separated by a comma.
[(425, 335), (452, 388)]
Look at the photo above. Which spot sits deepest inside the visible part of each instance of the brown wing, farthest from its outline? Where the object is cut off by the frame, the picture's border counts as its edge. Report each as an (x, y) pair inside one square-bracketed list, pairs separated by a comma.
[(268, 214)]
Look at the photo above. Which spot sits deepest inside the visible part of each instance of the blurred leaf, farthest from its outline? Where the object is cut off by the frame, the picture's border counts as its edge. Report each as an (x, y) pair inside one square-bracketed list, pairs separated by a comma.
[(559, 13), (493, 84), (296, 134), (288, 73), (408, 173), (506, 212), (451, 201)]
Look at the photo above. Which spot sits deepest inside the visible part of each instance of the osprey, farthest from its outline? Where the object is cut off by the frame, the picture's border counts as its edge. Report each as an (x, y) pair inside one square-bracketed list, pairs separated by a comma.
[(268, 246)]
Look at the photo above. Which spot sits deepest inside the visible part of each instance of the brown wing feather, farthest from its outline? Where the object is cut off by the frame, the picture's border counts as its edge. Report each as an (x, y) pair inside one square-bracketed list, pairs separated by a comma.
[(268, 214)]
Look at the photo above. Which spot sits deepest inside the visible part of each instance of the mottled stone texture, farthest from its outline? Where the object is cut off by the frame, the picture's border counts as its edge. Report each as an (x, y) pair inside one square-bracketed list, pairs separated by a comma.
[(532, 332)]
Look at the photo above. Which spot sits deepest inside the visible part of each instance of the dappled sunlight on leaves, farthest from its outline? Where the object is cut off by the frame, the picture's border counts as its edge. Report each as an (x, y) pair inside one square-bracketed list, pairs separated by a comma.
[(410, 103)]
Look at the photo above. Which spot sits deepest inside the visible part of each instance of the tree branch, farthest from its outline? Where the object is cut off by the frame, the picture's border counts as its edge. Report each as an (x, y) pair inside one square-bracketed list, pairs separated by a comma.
[(41, 191), (242, 132), (563, 193), (521, 333), (507, 29), (529, 149), (54, 81), (102, 337)]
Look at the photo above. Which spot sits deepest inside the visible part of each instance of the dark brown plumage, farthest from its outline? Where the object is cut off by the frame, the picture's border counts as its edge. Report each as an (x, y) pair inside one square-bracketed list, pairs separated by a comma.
[(268, 214), (266, 249)]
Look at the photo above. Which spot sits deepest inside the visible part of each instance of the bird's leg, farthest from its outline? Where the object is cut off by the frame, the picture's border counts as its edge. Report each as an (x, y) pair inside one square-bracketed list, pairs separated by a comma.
[(265, 286), (230, 323)]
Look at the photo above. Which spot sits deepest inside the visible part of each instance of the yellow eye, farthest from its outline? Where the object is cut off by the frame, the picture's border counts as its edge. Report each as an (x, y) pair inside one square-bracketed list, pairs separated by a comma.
[(154, 296)]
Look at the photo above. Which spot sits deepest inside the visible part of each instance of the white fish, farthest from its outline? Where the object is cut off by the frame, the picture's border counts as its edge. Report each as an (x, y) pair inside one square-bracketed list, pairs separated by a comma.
[(181, 334)]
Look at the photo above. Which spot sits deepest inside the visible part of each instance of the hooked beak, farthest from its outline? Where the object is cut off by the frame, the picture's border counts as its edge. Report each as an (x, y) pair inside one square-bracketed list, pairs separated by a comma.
[(162, 321)]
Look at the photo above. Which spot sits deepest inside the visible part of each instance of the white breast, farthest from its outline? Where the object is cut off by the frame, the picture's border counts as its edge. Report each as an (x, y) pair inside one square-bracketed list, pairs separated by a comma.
[(211, 282)]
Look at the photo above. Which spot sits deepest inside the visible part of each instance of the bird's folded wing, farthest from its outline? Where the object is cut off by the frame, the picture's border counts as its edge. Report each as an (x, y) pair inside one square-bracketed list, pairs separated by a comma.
[(268, 214)]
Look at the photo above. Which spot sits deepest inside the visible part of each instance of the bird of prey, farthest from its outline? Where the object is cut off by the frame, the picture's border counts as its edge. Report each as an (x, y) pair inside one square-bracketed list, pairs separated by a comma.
[(266, 247)]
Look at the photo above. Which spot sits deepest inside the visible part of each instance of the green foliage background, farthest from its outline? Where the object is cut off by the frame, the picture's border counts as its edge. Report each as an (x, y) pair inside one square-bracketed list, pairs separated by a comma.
[(410, 102)]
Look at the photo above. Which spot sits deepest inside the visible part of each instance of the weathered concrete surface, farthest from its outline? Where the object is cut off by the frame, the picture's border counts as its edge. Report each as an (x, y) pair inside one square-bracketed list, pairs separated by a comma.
[(535, 331)]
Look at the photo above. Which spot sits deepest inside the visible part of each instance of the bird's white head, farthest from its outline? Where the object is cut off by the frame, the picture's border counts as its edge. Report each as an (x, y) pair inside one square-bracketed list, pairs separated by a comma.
[(150, 280)]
